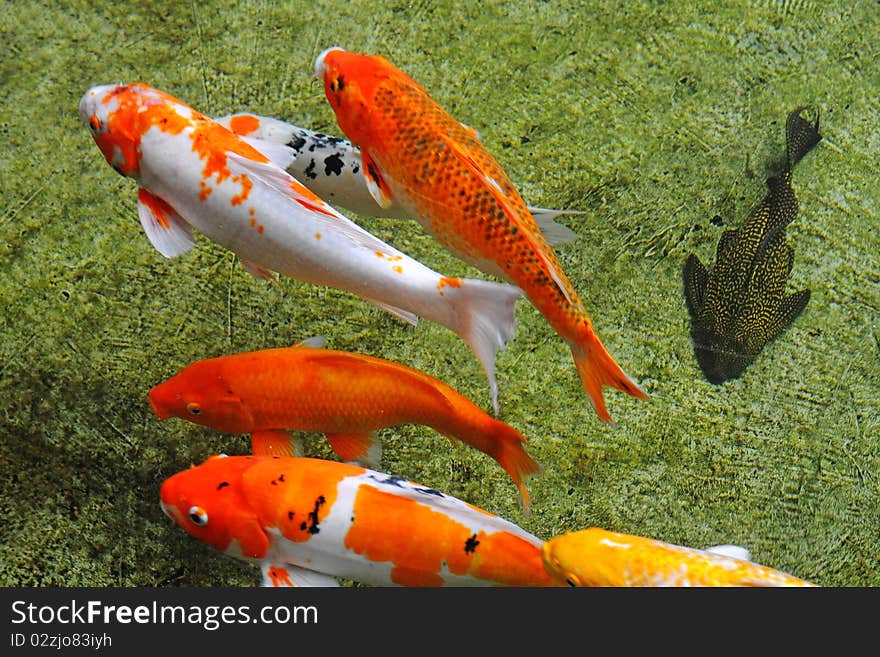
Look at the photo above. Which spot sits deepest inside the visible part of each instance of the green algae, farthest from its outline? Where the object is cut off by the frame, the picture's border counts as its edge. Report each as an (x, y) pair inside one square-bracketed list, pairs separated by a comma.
[(654, 119)]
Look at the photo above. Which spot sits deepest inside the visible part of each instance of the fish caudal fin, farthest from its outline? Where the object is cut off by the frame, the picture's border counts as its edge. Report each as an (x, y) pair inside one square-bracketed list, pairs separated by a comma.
[(507, 449), (486, 321), (598, 369)]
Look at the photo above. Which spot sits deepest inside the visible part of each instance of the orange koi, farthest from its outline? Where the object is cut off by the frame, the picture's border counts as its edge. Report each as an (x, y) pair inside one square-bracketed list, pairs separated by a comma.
[(596, 557), (418, 156), (309, 521), (344, 395)]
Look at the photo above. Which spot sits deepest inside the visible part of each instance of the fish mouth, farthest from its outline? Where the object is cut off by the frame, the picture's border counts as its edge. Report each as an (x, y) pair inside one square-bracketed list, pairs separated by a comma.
[(90, 99), (156, 408), (320, 67)]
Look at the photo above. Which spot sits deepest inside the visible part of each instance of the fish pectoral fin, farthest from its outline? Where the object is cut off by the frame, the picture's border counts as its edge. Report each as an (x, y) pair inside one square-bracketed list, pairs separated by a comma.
[(376, 184), (258, 271), (166, 230), (555, 233), (695, 279), (791, 306), (284, 575), (362, 448), (314, 342), (273, 442), (405, 315)]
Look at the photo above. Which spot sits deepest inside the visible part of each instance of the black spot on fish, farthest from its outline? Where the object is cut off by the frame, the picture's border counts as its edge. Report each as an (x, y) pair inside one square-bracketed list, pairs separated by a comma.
[(313, 516), (310, 170), (429, 491), (470, 545), (355, 168), (281, 477), (740, 304), (290, 515), (333, 164), (312, 147), (391, 480), (222, 485), (297, 143)]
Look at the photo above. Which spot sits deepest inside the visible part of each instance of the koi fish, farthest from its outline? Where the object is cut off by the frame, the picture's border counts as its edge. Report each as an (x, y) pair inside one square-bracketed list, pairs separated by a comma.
[(596, 557), (417, 155), (739, 305), (346, 396), (194, 173), (310, 521), (331, 167)]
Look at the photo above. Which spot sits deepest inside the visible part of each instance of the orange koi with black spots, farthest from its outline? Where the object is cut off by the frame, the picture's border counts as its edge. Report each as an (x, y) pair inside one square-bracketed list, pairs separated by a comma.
[(310, 521), (344, 395), (418, 156)]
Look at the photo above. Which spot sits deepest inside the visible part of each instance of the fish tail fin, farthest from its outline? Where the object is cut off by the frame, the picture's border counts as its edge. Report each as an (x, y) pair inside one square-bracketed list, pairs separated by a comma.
[(507, 449), (597, 369), (486, 321)]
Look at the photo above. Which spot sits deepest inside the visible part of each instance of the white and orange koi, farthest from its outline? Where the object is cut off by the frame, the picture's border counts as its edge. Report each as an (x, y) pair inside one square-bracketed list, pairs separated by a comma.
[(195, 173), (331, 167), (597, 557), (310, 521)]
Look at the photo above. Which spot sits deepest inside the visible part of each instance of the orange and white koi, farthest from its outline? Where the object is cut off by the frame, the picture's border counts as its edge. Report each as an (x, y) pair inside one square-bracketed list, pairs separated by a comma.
[(194, 173), (597, 557), (344, 395), (310, 521), (331, 167), (417, 155)]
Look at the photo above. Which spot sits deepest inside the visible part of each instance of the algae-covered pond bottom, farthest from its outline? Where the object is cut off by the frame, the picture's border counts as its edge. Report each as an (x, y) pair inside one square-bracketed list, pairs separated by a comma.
[(655, 120)]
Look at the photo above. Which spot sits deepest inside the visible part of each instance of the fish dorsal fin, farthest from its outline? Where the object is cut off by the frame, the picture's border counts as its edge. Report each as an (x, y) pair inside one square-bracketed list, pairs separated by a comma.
[(322, 212), (412, 379), (167, 231), (281, 155), (314, 342), (732, 551), (526, 230)]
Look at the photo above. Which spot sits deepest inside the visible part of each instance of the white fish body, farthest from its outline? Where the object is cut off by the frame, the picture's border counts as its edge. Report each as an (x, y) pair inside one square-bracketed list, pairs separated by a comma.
[(194, 173)]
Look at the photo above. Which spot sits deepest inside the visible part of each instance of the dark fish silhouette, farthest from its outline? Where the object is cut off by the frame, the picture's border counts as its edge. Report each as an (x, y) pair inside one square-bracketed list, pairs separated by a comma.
[(740, 304)]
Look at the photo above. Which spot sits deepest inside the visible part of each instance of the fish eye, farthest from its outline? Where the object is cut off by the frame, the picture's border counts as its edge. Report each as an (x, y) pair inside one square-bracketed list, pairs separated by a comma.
[(94, 123), (193, 409), (198, 516)]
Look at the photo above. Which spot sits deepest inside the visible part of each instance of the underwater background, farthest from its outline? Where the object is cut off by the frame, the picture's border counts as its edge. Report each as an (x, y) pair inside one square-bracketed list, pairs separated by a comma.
[(654, 119)]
